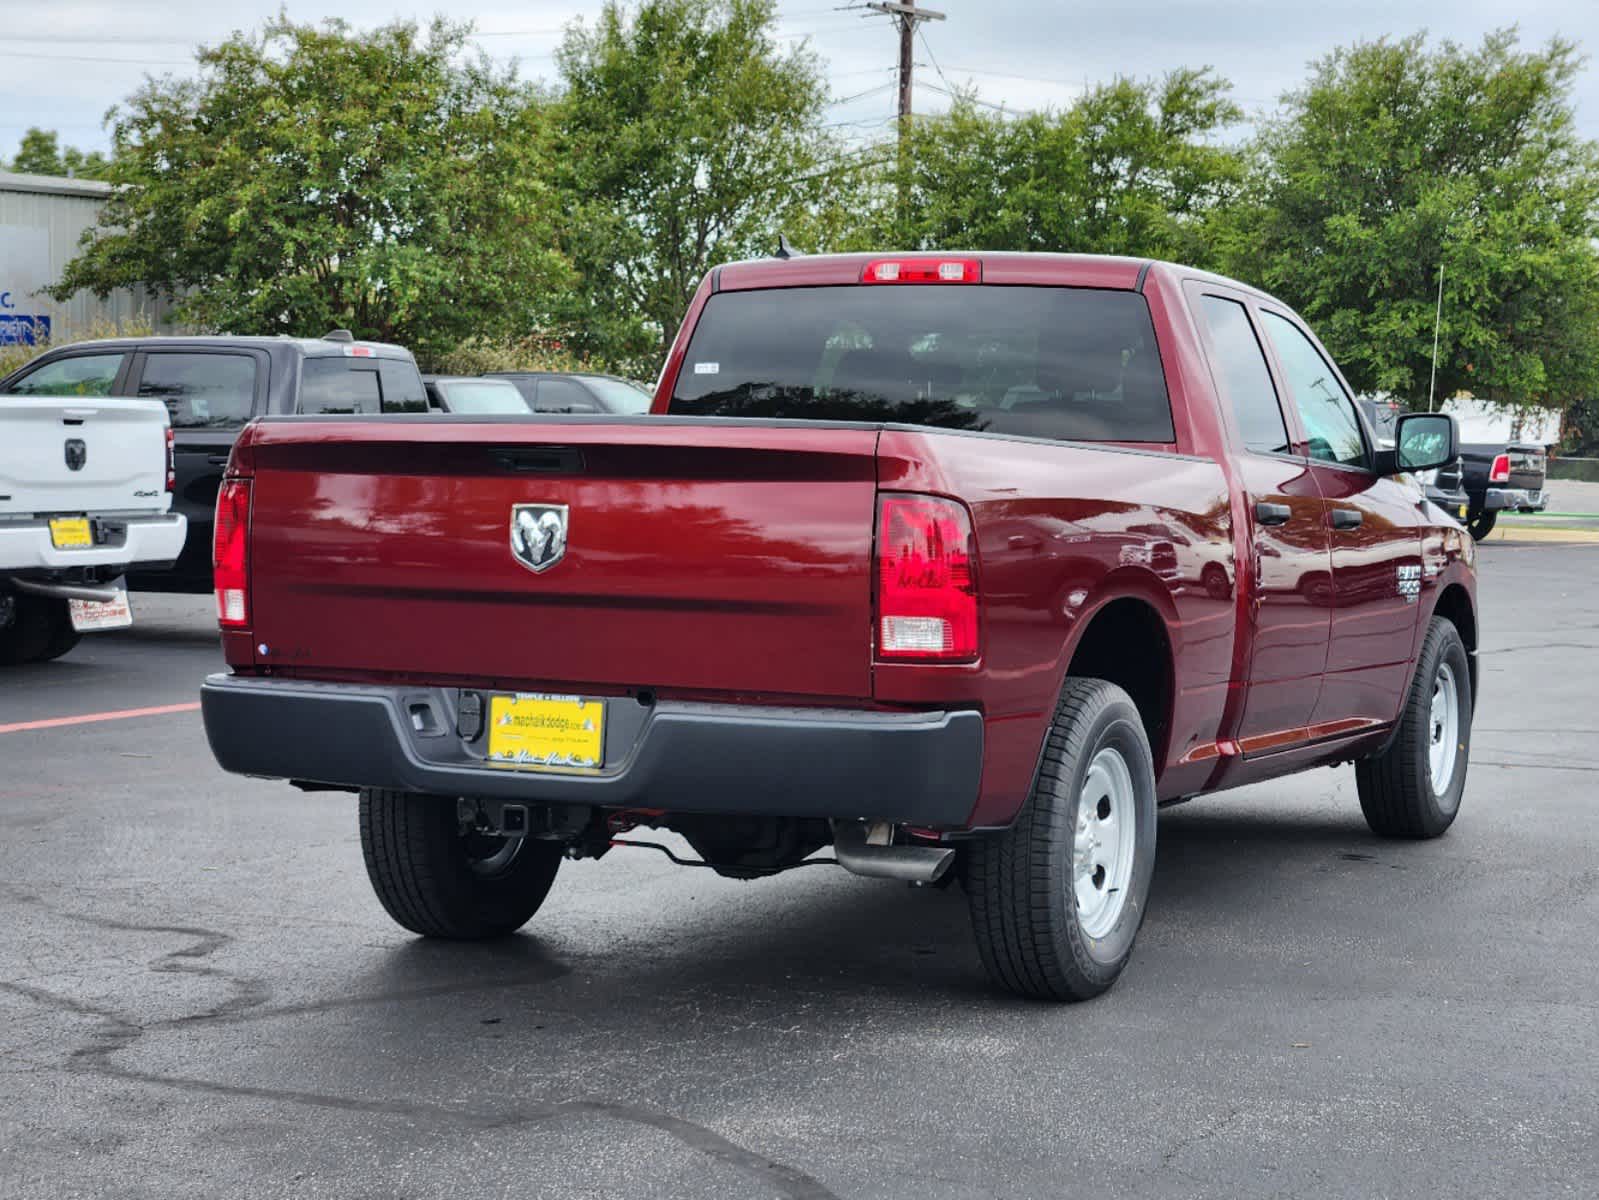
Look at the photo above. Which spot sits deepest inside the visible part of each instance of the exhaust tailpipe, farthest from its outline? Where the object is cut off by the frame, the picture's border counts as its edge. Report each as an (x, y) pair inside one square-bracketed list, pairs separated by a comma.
[(859, 854)]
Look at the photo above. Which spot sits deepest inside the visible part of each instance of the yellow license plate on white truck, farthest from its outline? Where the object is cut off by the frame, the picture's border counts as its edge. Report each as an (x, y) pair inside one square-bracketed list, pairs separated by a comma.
[(71, 533), (532, 731)]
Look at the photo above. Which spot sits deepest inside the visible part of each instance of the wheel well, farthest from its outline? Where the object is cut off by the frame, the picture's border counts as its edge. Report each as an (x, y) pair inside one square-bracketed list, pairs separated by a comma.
[(1455, 607), (1126, 644)]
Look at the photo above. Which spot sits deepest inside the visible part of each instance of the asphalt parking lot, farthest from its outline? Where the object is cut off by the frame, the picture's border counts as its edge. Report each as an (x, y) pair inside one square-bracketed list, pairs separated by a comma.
[(200, 997)]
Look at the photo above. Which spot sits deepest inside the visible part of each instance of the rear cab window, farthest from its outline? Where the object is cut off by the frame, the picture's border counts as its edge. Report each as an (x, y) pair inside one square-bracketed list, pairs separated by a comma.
[(1077, 364), (353, 384)]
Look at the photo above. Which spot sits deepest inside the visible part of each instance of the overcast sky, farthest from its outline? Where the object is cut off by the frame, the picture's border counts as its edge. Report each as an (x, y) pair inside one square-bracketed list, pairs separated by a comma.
[(74, 59)]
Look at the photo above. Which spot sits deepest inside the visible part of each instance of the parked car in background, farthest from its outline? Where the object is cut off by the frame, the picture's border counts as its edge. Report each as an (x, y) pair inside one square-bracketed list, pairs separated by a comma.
[(556, 392), (211, 386), (1503, 478), (974, 557), (1445, 486), (86, 481), (473, 394)]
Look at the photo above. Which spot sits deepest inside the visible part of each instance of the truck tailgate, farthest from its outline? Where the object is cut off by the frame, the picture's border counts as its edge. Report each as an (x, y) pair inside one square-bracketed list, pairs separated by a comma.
[(119, 448), (697, 556)]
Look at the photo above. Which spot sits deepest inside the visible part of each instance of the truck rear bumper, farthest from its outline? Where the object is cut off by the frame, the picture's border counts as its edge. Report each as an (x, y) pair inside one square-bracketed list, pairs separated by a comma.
[(920, 768), (125, 542), (1519, 499)]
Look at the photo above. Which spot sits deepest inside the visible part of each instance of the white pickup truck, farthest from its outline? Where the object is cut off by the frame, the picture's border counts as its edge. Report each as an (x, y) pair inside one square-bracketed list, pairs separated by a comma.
[(85, 496)]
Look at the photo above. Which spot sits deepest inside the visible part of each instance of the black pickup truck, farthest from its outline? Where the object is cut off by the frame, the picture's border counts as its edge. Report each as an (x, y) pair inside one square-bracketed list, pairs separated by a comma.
[(213, 386), (1501, 478)]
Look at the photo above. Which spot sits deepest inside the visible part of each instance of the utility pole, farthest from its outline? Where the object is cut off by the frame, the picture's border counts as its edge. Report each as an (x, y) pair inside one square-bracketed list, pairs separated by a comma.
[(907, 17)]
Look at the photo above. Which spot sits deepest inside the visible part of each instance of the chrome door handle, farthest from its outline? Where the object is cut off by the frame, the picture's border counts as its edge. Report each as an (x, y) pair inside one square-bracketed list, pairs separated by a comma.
[(1272, 514), (1346, 518)]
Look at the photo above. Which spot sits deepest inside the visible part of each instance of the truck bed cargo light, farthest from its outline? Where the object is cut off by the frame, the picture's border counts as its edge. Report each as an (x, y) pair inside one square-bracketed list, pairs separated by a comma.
[(923, 270)]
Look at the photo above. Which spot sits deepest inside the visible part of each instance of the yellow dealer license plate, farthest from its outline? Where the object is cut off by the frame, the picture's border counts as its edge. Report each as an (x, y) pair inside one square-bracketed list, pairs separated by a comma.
[(70, 533), (534, 730)]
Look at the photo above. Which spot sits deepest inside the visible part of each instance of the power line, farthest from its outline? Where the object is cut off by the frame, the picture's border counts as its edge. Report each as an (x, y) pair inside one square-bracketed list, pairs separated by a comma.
[(1004, 108), (922, 33), (882, 87), (94, 58)]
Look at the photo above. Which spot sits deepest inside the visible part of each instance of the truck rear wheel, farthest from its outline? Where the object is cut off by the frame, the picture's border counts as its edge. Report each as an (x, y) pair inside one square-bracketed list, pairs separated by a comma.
[(1481, 524), (1412, 789), (440, 882), (37, 629), (1057, 899)]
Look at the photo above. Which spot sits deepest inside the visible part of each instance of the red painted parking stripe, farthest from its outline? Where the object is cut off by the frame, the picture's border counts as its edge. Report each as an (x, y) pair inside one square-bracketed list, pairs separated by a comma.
[(91, 718)]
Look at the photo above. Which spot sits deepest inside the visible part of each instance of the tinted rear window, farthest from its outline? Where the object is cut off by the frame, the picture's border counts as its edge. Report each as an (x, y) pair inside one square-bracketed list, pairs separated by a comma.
[(1070, 363), (361, 385)]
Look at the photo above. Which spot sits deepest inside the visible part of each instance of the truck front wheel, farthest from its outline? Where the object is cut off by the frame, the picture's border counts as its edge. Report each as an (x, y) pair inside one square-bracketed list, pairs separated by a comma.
[(436, 880), (1412, 789), (1057, 899)]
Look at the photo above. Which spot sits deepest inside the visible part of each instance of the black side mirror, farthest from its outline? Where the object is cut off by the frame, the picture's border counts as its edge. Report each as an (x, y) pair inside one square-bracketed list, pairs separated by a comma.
[(1423, 441)]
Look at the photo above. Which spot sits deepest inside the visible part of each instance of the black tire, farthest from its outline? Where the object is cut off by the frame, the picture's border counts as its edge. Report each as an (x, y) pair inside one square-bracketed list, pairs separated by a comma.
[(62, 636), (1019, 883), (1396, 787), (40, 629), (435, 881), (1481, 524)]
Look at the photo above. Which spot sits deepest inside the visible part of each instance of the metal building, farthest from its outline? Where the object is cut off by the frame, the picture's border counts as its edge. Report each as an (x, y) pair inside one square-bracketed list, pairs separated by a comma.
[(42, 219)]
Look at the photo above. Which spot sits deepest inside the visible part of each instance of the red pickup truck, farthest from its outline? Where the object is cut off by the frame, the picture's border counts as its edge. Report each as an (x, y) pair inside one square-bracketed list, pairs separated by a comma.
[(960, 564)]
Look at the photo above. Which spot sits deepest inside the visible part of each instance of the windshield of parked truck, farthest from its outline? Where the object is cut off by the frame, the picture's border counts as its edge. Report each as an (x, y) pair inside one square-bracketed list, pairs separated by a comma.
[(1072, 363)]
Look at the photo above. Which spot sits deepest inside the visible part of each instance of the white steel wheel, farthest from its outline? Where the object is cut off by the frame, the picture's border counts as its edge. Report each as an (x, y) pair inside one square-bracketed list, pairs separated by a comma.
[(1443, 729), (1105, 838)]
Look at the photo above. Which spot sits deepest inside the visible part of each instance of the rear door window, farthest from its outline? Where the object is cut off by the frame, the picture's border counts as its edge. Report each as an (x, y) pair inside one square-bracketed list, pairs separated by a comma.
[(1071, 363), (340, 386), (201, 391), (1242, 372), (77, 375)]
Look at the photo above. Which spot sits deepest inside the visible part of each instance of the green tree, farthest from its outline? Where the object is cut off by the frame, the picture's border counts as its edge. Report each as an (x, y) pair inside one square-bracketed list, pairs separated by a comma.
[(41, 153), (1129, 168), (688, 138), (1397, 158), (311, 177)]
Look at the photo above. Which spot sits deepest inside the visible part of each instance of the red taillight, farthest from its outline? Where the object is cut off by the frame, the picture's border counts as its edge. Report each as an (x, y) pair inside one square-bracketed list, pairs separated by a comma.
[(923, 270), (172, 461), (926, 579), (1500, 471), (230, 554)]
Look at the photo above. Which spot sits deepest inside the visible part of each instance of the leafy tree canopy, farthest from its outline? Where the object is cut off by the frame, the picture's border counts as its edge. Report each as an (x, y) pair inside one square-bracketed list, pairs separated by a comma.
[(1127, 169), (1397, 157), (41, 153), (687, 138), (311, 177)]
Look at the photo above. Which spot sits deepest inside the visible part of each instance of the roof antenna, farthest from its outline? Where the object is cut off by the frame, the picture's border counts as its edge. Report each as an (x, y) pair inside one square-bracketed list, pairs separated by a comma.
[(784, 250)]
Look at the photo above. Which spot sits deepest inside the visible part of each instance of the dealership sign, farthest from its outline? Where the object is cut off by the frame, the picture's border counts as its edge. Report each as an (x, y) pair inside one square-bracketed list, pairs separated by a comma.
[(24, 274)]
